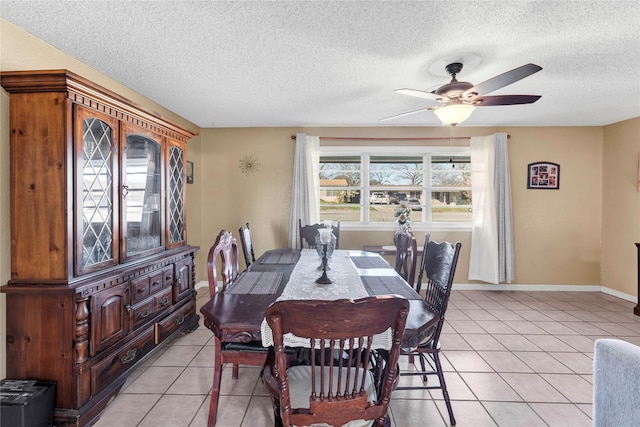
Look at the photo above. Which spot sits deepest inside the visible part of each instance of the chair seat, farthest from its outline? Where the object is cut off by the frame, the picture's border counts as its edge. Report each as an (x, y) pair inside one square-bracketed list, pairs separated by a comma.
[(300, 388), (255, 346), (426, 346)]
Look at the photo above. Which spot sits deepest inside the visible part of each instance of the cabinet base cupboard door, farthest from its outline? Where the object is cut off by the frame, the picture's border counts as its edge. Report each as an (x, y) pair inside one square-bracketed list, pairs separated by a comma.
[(101, 271)]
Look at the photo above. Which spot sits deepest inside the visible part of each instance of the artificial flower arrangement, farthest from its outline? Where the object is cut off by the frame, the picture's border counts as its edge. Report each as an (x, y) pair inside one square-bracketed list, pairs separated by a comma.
[(403, 213)]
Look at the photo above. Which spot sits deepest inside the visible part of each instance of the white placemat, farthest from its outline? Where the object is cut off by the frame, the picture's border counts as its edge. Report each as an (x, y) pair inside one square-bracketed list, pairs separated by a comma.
[(302, 285)]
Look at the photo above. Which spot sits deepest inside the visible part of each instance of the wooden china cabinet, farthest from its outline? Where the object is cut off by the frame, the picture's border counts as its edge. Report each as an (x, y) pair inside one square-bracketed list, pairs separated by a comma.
[(101, 272)]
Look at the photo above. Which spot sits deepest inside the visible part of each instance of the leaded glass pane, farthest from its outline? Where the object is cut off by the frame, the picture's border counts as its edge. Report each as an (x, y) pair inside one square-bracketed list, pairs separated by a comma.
[(97, 206), (176, 195)]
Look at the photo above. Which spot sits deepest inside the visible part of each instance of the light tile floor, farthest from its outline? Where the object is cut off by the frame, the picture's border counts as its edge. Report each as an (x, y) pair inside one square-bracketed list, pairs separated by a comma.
[(511, 359)]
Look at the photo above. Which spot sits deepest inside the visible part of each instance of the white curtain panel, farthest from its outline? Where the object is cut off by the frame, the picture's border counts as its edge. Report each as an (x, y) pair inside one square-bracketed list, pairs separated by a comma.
[(503, 209), (491, 257), (305, 186)]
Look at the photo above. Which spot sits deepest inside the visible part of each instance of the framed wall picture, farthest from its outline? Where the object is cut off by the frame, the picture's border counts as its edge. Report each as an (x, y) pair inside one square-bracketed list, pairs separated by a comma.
[(189, 172), (543, 176)]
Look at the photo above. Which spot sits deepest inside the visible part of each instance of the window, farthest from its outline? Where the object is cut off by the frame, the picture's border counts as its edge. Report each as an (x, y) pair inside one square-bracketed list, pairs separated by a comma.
[(366, 185)]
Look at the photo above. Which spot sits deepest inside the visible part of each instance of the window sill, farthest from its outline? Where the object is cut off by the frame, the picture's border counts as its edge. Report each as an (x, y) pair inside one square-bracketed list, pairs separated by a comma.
[(416, 227)]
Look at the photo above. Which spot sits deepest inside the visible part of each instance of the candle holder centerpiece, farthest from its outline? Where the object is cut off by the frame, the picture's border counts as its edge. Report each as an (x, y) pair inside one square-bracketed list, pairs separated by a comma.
[(325, 239)]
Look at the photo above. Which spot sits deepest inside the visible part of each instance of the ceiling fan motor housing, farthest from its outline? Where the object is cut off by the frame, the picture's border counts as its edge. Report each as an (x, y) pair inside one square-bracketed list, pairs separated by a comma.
[(454, 88)]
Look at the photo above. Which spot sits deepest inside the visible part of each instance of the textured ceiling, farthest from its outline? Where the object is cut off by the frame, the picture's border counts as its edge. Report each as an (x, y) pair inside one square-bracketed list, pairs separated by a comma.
[(337, 63)]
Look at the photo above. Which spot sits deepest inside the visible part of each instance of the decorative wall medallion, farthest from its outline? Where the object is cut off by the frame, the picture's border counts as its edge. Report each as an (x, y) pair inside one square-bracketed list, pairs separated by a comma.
[(249, 165)]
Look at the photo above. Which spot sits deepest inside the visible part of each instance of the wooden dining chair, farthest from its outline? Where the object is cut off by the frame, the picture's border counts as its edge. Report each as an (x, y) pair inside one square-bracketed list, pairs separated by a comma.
[(406, 255), (247, 245), (308, 234), (226, 248), (345, 379), (437, 269), (250, 353)]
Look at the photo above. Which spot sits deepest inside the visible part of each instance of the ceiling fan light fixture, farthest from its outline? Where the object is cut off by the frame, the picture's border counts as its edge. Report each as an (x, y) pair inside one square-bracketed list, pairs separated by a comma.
[(454, 114)]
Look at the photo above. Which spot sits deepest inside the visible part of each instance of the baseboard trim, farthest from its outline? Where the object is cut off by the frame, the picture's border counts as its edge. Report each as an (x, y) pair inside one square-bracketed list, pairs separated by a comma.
[(524, 287), (545, 288), (622, 295), (527, 288)]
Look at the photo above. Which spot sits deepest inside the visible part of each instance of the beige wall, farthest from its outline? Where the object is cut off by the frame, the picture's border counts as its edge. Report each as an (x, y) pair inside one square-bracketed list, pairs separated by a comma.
[(557, 232), (230, 198), (621, 206)]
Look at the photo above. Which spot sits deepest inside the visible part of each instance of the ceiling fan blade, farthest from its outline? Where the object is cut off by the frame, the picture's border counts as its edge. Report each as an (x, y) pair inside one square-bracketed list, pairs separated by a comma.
[(502, 80), (420, 94), (486, 101), (405, 114)]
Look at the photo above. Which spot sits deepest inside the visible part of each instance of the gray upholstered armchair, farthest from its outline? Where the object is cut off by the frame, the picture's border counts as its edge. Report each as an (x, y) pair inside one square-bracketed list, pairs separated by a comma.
[(616, 383)]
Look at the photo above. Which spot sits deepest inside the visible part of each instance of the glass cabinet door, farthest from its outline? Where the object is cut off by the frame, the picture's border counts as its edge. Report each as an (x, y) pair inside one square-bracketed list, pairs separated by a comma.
[(175, 196), (141, 195), (96, 242)]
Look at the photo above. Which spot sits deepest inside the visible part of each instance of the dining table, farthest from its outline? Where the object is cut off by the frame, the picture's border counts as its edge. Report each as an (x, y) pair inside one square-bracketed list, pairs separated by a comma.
[(237, 314)]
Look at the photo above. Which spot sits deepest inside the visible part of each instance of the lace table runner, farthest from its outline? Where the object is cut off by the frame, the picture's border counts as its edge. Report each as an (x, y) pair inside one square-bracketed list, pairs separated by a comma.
[(302, 285)]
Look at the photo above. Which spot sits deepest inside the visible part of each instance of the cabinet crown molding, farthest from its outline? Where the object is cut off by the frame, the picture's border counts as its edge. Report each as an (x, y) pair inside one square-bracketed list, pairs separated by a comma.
[(86, 92)]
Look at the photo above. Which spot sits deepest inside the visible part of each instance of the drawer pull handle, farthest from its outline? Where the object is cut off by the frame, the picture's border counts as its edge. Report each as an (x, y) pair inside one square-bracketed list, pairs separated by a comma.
[(164, 301), (180, 320), (156, 283), (130, 356), (144, 313)]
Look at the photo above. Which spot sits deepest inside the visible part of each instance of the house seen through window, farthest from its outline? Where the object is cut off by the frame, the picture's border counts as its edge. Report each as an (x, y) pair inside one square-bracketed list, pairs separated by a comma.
[(366, 185)]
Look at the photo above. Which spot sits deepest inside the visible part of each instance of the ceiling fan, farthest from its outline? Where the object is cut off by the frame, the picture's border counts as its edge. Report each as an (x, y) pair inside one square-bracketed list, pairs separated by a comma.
[(459, 99)]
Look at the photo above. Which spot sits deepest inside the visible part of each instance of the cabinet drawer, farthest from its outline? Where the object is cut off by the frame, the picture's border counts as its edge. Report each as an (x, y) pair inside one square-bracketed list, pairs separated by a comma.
[(104, 372), (167, 276), (143, 312), (163, 300), (169, 325), (139, 289), (155, 282)]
